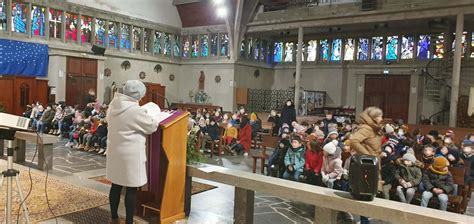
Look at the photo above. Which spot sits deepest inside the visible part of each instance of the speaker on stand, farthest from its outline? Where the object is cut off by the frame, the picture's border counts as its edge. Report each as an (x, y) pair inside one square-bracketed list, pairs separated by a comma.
[(97, 50)]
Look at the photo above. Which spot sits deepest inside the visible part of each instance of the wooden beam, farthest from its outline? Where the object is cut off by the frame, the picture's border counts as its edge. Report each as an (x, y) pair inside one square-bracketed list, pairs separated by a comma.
[(183, 2)]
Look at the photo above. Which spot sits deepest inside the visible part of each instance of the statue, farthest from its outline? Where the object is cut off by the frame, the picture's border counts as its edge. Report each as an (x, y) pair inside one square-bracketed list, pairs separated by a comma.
[(202, 78)]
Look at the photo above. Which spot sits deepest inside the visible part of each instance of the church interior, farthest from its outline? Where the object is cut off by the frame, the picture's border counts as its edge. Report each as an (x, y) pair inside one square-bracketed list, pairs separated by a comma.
[(247, 91)]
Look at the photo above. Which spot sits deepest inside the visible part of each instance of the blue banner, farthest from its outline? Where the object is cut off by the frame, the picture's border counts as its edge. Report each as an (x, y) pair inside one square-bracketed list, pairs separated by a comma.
[(23, 58)]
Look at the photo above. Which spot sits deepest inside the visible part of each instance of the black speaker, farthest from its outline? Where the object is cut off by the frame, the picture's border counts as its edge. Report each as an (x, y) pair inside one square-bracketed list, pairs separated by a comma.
[(98, 50), (368, 5), (364, 177)]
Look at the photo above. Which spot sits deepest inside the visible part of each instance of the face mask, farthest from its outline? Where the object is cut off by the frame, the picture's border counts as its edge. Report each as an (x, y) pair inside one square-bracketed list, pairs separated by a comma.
[(213, 123), (448, 141), (217, 114), (242, 111), (226, 117), (208, 115), (401, 133), (288, 104), (273, 113), (234, 117), (284, 135), (451, 157)]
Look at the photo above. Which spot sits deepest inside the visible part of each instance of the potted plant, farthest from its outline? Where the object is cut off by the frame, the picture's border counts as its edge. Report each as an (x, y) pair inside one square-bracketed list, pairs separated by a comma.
[(193, 156)]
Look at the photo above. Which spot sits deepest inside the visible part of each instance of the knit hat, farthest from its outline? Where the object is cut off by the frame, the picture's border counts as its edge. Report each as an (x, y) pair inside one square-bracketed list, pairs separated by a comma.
[(253, 117), (410, 157), (330, 148), (347, 142), (135, 89), (389, 129), (334, 132), (439, 165)]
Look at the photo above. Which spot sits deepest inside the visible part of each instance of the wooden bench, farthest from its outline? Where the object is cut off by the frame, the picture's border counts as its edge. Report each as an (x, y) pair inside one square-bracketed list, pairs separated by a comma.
[(268, 141), (45, 148)]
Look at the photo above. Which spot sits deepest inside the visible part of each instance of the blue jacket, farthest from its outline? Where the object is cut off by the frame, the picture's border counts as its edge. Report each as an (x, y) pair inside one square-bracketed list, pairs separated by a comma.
[(296, 158)]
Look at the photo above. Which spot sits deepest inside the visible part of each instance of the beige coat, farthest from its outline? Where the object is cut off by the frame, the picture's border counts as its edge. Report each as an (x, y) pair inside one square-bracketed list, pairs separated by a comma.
[(128, 126)]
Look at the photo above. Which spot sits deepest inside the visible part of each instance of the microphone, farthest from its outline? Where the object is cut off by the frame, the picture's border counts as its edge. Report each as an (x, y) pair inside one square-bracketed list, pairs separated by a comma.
[(164, 97)]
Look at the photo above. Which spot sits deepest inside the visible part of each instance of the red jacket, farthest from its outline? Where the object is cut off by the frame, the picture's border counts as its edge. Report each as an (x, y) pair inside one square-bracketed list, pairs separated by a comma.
[(245, 137), (314, 161)]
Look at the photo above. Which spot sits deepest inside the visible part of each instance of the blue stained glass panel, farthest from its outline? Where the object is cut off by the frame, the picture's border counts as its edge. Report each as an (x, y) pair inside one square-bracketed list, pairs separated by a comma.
[(336, 50), (19, 12), (423, 47), (99, 32), (214, 42), (177, 46), (3, 15), (167, 44), (37, 21), (157, 45), (186, 46), (324, 50), (125, 36), (204, 45), (408, 42), (112, 34), (224, 44), (278, 52), (392, 48), (256, 50), (377, 48), (363, 49)]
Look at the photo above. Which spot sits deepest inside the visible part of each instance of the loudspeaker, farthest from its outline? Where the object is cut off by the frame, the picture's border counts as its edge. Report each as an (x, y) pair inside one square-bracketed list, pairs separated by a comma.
[(98, 50), (363, 177), (368, 5)]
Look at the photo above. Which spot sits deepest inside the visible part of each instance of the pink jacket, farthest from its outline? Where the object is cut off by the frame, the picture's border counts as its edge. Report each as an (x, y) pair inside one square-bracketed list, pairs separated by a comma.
[(332, 165)]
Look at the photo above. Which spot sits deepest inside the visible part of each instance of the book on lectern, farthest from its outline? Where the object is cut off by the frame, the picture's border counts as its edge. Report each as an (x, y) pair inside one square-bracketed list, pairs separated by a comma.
[(155, 112)]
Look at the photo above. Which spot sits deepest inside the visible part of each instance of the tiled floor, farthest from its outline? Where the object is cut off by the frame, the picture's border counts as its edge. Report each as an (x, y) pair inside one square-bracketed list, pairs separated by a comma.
[(213, 206)]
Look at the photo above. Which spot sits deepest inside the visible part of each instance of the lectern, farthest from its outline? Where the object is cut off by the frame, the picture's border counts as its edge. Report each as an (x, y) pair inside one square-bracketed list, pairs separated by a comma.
[(166, 169)]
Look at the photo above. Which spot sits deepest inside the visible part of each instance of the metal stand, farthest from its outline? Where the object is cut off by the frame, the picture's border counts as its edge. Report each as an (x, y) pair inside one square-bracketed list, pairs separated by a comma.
[(11, 174)]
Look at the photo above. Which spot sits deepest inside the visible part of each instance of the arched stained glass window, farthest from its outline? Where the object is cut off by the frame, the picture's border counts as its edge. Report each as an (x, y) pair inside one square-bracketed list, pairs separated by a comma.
[(289, 51), (137, 33), (37, 21), (86, 29), (278, 52), (463, 43), (157, 45), (214, 42), (99, 32), (177, 46), (224, 44), (392, 48), (125, 36), (71, 27), (167, 44), (324, 50), (439, 45), (186, 46), (148, 36), (194, 46), (19, 12), (113, 34)]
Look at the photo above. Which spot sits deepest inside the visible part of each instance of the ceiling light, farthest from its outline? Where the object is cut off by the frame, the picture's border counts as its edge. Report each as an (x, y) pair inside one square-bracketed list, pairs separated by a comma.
[(221, 12), (218, 2)]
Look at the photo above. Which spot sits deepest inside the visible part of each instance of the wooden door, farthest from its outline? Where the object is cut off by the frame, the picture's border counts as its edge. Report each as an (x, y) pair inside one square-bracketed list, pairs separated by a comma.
[(81, 76), (154, 93), (390, 93), (6, 98), (24, 93), (42, 91)]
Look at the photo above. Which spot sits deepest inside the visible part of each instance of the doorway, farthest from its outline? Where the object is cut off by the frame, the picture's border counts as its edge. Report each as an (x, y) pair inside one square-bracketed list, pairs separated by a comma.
[(391, 93), (81, 77)]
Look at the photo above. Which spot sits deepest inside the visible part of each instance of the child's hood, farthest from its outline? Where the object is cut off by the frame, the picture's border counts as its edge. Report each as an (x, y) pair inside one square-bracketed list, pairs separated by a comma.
[(418, 163)]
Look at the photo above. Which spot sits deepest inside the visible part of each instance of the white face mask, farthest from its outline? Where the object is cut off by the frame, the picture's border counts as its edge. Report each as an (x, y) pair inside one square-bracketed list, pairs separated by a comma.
[(288, 103), (213, 123), (401, 133), (273, 113), (226, 117), (234, 117), (242, 111)]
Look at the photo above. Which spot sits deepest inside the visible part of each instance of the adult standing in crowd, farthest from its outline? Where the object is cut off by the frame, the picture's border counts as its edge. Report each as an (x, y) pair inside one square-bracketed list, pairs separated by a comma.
[(90, 98), (288, 113), (129, 125)]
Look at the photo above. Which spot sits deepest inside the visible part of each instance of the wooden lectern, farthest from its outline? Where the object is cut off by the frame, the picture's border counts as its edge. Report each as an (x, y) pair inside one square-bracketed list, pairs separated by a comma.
[(166, 170)]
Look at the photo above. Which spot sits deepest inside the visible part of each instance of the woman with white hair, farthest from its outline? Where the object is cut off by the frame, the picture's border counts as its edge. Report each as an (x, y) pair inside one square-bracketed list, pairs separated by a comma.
[(128, 126)]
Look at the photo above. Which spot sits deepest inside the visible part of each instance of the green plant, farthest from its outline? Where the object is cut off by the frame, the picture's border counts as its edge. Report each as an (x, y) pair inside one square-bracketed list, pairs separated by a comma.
[(193, 156)]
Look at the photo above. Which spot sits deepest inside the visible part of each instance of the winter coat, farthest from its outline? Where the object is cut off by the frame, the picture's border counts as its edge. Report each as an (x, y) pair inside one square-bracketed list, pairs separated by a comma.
[(48, 115), (288, 115), (468, 159), (332, 165), (245, 136), (295, 157), (388, 172), (276, 124), (412, 174), (101, 130), (231, 132), (313, 161), (212, 131), (432, 180), (256, 126), (128, 126), (367, 139)]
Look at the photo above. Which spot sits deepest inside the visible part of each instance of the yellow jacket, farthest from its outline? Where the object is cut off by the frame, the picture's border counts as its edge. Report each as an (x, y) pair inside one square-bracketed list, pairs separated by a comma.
[(232, 132)]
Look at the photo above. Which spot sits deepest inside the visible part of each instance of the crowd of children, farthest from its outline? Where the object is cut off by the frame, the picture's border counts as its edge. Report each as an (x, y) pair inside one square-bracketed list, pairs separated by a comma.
[(85, 129)]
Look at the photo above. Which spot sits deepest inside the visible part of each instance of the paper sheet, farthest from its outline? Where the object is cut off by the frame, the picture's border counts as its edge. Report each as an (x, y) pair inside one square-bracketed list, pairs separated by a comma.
[(155, 112), (209, 169)]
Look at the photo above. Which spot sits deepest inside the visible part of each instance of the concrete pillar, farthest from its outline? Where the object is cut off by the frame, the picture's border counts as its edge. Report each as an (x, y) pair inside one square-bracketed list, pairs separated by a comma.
[(456, 71), (298, 69), (243, 206), (325, 215)]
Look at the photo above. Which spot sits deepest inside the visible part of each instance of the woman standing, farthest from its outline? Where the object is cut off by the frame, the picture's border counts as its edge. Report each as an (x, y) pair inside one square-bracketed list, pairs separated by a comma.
[(288, 113), (128, 125)]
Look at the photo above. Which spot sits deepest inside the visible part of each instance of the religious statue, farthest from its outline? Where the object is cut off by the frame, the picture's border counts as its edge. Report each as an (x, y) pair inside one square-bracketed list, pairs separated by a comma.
[(202, 78)]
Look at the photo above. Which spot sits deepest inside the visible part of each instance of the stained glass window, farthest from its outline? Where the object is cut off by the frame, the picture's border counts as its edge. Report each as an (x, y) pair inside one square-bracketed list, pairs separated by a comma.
[(312, 50), (99, 32), (268, 56), (263, 50), (55, 23), (439, 46), (71, 25), (224, 44), (194, 46), (363, 49), (177, 46), (256, 50), (3, 15), (408, 42), (19, 12), (349, 49), (242, 49), (278, 52), (167, 44), (289, 52), (392, 48), (324, 50), (472, 45), (37, 21), (336, 50), (423, 47), (113, 34), (377, 48), (137, 33), (249, 51), (125, 36), (204, 45), (463, 43), (86, 29), (148, 36), (214, 42), (157, 44), (186, 46)]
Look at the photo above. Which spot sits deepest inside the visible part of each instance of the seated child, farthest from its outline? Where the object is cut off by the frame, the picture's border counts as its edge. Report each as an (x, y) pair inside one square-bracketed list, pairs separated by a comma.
[(454, 158), (101, 136), (332, 164), (256, 124), (387, 171), (427, 156), (276, 162), (294, 159), (408, 176), (438, 181), (468, 157), (313, 162), (211, 132), (230, 134), (332, 135)]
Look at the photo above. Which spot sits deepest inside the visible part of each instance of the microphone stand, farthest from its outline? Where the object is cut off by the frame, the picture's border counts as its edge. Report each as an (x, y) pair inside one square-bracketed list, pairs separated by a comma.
[(161, 96)]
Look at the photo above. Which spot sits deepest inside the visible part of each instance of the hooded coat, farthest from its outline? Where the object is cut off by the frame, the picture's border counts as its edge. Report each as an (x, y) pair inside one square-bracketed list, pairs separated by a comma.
[(332, 165), (295, 157), (128, 126), (288, 114), (412, 174), (367, 140)]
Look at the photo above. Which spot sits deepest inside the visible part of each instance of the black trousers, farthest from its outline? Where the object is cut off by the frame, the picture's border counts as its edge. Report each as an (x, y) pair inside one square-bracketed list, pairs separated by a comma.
[(130, 201)]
